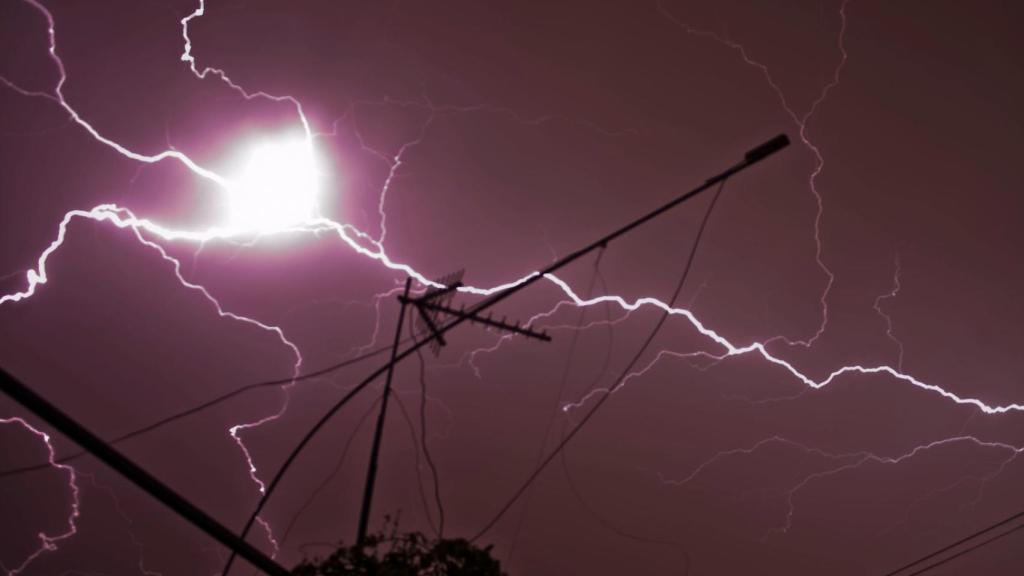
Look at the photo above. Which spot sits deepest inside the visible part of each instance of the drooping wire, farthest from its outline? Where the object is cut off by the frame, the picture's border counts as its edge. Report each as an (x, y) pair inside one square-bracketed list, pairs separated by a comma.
[(750, 159), (618, 382), (610, 345), (416, 450), (344, 455), (566, 370), (423, 440), (330, 477), (571, 483), (200, 407), (564, 456)]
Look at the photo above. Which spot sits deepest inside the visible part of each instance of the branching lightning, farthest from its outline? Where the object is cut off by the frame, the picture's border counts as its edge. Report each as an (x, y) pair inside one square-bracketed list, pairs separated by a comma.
[(47, 542), (887, 318), (801, 121), (844, 462), (307, 219)]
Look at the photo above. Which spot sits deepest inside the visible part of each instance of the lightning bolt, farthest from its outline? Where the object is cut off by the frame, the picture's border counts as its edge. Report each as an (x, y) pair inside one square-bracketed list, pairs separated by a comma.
[(128, 521), (801, 121), (47, 542), (888, 319), (154, 235), (845, 462)]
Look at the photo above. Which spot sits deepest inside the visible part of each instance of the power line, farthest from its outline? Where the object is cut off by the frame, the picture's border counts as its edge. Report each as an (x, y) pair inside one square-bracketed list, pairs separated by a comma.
[(618, 382), (571, 482), (199, 408), (563, 382), (751, 158), (578, 494), (337, 467), (237, 544), (69, 427), (426, 449), (608, 525), (966, 550), (416, 461), (963, 540)]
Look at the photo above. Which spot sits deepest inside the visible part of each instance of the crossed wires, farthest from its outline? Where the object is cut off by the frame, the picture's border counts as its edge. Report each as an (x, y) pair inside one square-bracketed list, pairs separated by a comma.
[(618, 382), (203, 406)]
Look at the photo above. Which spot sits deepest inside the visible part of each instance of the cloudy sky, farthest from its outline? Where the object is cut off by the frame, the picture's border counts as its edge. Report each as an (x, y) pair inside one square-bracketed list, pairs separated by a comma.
[(196, 200)]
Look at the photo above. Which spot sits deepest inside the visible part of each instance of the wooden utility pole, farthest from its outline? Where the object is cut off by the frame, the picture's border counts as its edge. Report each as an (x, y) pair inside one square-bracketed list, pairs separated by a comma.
[(371, 471)]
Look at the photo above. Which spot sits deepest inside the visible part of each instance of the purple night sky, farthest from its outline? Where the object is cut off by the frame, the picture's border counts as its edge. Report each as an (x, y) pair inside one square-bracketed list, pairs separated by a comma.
[(836, 392)]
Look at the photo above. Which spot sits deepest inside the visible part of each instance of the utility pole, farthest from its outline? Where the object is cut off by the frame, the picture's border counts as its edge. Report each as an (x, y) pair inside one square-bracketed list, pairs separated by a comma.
[(429, 306), (752, 157), (371, 472), (135, 474)]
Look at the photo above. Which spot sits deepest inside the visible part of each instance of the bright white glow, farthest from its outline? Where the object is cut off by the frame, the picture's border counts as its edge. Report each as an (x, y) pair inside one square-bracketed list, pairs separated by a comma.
[(276, 188)]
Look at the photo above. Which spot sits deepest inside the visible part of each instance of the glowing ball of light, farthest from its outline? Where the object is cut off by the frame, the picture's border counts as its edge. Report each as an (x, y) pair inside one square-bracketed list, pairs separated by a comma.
[(276, 188)]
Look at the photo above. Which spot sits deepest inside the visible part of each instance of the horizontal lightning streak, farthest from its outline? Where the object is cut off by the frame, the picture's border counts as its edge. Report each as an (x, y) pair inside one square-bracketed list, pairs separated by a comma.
[(889, 460), (859, 459), (759, 348)]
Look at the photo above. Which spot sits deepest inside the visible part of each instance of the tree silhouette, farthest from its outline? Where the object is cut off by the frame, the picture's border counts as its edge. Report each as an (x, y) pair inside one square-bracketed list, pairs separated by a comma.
[(393, 553)]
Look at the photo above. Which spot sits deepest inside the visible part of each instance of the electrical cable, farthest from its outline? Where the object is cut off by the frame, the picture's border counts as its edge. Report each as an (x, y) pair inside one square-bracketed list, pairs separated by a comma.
[(963, 540), (200, 407), (751, 158), (337, 467), (966, 550), (563, 382), (423, 441), (618, 382)]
